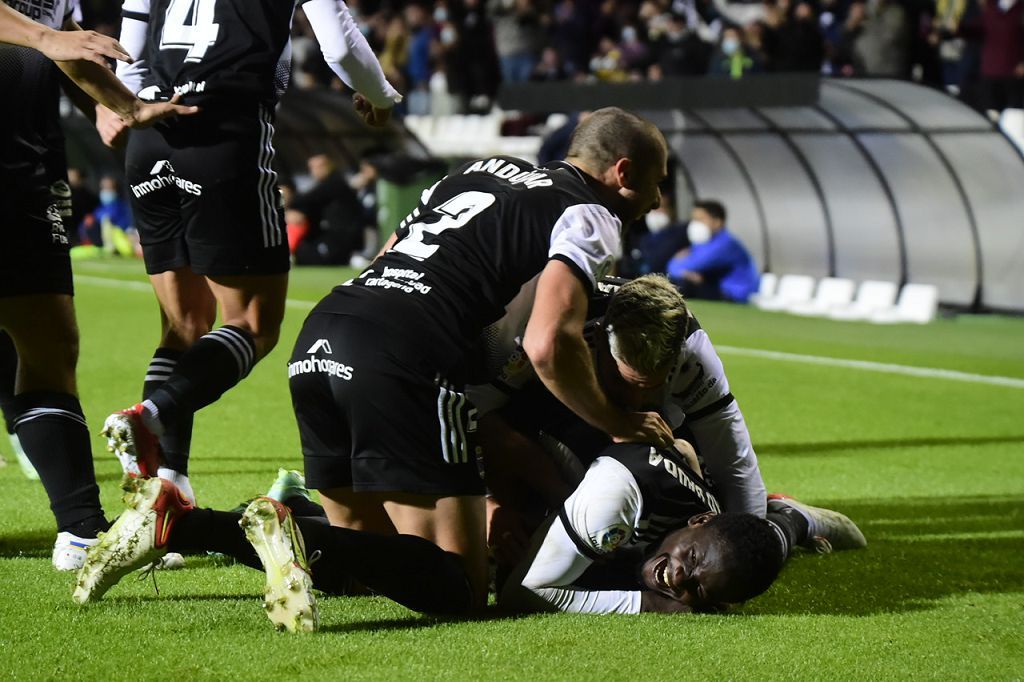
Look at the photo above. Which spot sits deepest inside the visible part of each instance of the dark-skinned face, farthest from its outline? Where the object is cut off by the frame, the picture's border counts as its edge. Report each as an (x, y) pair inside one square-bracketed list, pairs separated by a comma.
[(688, 566)]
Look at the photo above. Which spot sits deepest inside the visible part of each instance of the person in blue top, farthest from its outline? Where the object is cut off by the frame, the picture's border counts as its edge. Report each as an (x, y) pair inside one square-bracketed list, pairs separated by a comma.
[(716, 266), (113, 213)]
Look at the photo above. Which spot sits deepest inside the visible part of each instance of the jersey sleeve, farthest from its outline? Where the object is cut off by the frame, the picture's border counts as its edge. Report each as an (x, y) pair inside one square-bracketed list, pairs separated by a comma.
[(604, 509), (134, 27), (549, 575), (598, 518), (347, 52), (587, 238)]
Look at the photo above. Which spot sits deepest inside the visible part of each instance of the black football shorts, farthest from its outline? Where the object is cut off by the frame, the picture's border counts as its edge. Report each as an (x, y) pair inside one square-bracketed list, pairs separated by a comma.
[(374, 416), (204, 195), (34, 258)]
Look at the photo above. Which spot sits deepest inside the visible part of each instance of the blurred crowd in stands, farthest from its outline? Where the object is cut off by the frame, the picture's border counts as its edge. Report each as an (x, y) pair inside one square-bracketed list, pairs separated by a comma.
[(449, 56)]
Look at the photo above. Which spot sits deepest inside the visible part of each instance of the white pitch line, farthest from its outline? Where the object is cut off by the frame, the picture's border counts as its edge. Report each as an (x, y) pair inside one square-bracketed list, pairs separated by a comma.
[(868, 366), (865, 365), (132, 285)]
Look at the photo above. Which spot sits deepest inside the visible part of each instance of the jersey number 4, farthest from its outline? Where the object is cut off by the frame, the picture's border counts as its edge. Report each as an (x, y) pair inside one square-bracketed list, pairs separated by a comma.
[(188, 25), (455, 212)]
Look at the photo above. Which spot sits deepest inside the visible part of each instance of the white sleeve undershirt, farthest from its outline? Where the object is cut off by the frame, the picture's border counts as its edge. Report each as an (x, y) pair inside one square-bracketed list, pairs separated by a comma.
[(347, 52), (602, 511), (133, 39)]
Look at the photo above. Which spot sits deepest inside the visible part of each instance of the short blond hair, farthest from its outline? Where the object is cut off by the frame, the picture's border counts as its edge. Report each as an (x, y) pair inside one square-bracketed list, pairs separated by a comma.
[(646, 321)]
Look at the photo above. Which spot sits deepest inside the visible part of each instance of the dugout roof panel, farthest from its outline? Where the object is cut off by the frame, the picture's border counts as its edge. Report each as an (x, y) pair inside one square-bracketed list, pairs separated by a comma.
[(880, 179)]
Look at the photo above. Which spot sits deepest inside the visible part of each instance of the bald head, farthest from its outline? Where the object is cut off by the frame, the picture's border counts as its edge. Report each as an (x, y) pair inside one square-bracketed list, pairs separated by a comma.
[(626, 155), (610, 134)]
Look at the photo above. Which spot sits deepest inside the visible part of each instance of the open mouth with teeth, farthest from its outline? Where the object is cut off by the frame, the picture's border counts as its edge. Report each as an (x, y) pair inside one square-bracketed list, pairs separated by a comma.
[(661, 575)]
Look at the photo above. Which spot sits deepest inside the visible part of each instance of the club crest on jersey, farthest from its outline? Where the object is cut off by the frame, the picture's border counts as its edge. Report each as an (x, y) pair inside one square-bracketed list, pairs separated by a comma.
[(321, 344), (611, 538)]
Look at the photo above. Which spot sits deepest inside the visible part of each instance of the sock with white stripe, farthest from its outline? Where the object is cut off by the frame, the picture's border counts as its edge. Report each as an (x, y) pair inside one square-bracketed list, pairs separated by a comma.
[(176, 439), (791, 528), (55, 437), (211, 366), (412, 571)]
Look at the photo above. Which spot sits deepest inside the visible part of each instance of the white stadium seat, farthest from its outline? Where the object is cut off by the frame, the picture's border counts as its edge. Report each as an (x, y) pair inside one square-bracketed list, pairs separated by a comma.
[(872, 295), (917, 303), (832, 292), (792, 289), (1011, 122), (766, 289)]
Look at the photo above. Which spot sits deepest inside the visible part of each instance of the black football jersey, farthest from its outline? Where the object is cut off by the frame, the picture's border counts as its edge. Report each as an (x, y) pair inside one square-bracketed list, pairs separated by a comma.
[(223, 51), (30, 118), (633, 494), (469, 254)]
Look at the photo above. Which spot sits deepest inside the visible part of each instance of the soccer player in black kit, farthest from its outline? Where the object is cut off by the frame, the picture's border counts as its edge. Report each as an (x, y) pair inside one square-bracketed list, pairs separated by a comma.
[(377, 372), (204, 197), (36, 305)]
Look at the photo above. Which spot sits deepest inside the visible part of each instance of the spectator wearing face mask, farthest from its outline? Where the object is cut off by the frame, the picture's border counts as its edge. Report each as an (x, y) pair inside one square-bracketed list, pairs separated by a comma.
[(108, 224), (716, 266), (665, 237), (732, 58)]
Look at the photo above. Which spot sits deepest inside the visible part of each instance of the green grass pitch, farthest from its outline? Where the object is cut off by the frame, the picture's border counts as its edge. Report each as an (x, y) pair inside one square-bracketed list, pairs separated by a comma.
[(931, 468)]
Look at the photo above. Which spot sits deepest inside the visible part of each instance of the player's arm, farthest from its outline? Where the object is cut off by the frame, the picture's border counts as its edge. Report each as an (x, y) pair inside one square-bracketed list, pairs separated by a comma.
[(596, 520), (100, 83), (18, 29), (513, 462), (134, 30), (555, 345), (349, 56)]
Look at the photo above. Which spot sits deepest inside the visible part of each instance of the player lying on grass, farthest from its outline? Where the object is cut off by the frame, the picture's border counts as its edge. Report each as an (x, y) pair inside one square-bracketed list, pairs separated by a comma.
[(650, 353), (643, 533), (394, 341)]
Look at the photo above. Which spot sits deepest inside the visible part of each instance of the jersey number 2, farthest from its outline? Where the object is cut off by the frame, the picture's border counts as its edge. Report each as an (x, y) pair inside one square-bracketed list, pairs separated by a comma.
[(455, 212), (188, 24)]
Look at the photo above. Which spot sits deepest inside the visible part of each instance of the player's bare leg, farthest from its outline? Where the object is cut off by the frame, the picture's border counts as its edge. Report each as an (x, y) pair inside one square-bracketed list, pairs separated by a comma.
[(48, 417), (183, 382), (254, 303), (455, 524), (346, 508), (188, 308)]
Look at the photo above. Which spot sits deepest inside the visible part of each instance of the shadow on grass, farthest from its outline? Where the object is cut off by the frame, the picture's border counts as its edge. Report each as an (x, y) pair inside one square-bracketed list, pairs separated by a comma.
[(920, 550), (414, 621), (33, 544), (796, 449)]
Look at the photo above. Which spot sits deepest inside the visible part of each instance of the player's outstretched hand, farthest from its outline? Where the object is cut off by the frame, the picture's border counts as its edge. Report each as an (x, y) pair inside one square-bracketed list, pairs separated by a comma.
[(148, 113), (645, 427), (111, 127), (62, 46), (372, 115)]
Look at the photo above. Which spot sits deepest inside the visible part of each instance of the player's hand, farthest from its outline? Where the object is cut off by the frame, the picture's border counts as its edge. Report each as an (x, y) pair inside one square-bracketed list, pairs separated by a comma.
[(644, 427), (62, 46), (111, 127), (148, 113), (374, 116)]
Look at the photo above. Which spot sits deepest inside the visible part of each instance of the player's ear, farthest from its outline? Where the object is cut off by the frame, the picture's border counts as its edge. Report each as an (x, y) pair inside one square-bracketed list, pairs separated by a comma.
[(624, 172), (700, 519)]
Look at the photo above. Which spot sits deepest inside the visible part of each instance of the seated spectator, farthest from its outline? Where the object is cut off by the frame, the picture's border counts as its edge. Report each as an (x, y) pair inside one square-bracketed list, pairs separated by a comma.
[(732, 58), (650, 250), (717, 266), (333, 216), (108, 225)]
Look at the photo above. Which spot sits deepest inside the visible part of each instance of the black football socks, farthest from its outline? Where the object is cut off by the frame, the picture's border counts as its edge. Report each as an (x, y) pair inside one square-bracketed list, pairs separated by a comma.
[(55, 437)]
